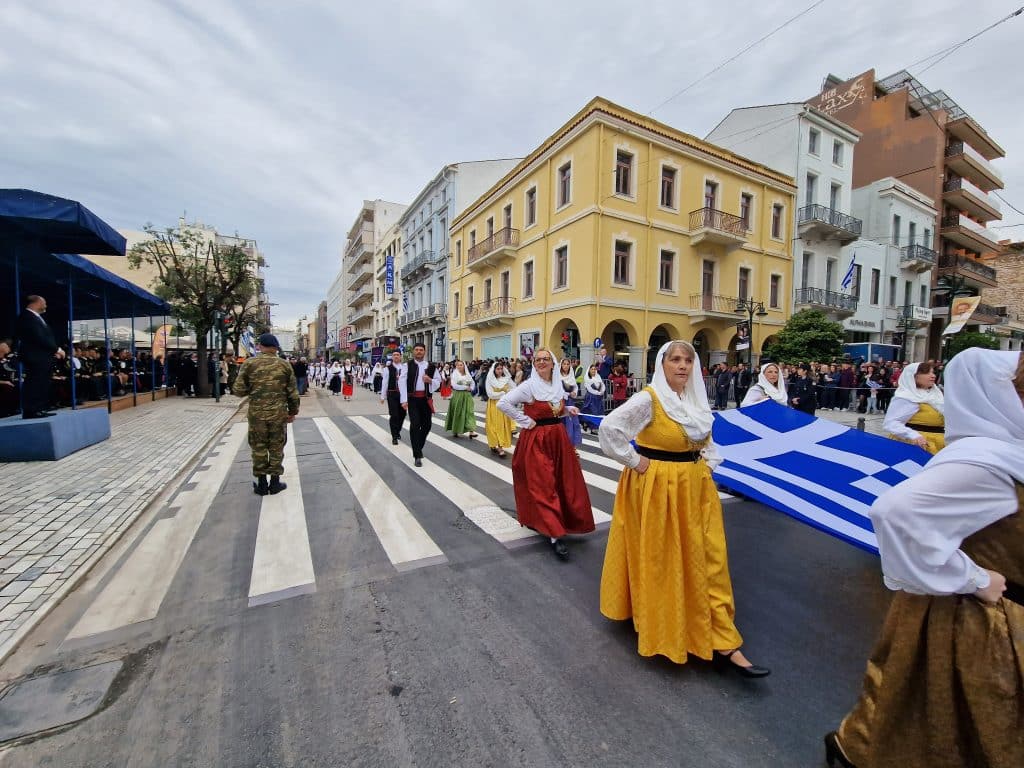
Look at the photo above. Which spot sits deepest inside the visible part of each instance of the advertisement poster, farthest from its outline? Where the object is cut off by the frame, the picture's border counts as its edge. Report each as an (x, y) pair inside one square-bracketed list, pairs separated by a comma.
[(743, 335), (960, 312), (389, 275), (527, 343)]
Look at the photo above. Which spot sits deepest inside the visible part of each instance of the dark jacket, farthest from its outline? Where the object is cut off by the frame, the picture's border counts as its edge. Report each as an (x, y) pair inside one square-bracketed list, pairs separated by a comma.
[(803, 389), (38, 343)]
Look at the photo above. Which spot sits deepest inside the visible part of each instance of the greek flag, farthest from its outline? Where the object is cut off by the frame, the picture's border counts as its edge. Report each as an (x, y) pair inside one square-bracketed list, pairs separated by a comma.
[(820, 472), (848, 277), (405, 301), (248, 342)]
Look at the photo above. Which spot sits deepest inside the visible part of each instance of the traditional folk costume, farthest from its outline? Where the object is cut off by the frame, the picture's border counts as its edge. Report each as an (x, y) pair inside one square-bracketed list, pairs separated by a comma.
[(551, 496), (666, 565), (944, 687), (593, 401), (571, 422), (499, 426), (446, 382), (418, 397), (461, 417), (389, 393), (378, 377), (348, 381), (334, 377), (765, 390), (914, 412)]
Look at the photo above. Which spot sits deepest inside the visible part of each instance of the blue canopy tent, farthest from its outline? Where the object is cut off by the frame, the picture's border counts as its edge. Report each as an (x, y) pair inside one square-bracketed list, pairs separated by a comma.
[(37, 232)]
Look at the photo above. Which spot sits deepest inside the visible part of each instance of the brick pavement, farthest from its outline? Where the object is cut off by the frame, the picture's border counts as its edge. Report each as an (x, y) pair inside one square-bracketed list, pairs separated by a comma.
[(58, 518)]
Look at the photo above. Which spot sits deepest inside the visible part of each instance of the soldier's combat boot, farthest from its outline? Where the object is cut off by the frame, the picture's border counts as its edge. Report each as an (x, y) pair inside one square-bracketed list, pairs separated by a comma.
[(276, 486), (259, 486)]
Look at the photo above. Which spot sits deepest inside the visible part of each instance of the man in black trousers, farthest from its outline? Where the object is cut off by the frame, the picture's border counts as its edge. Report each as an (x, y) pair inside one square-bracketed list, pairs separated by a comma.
[(389, 393), (38, 349), (416, 387)]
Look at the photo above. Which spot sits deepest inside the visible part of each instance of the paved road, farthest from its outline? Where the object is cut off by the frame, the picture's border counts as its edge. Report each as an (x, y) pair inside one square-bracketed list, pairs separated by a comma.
[(389, 626)]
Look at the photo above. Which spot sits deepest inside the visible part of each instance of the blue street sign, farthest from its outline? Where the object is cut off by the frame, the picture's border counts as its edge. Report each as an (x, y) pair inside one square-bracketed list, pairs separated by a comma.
[(597, 343)]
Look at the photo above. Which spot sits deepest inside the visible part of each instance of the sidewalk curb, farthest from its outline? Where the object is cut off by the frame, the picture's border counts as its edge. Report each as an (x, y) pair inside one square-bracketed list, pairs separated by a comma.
[(170, 488)]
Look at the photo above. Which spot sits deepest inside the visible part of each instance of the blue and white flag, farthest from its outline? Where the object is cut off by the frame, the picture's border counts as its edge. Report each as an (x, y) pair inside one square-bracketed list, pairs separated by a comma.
[(848, 277), (405, 301), (248, 341), (816, 470)]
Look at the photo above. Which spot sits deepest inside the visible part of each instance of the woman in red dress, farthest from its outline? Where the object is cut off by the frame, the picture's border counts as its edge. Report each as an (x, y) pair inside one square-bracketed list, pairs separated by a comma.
[(446, 382), (348, 375), (551, 496)]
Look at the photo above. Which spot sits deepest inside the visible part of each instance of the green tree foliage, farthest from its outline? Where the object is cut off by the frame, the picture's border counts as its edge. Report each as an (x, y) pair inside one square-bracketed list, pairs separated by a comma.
[(807, 336), (197, 277), (966, 339)]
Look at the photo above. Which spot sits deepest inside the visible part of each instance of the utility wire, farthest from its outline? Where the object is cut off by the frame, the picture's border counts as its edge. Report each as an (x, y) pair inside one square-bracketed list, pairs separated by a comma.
[(733, 58), (949, 50), (1018, 210)]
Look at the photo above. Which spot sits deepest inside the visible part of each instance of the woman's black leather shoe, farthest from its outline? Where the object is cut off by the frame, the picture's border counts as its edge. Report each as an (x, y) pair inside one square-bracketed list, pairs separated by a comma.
[(724, 661), (833, 754), (560, 549)]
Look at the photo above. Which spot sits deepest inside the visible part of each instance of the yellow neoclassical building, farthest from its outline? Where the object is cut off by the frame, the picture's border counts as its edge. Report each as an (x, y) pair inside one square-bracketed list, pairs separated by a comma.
[(622, 231)]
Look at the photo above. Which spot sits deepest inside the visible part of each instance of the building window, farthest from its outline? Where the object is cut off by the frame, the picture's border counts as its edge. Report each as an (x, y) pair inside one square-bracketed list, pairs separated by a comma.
[(561, 278), (507, 216), (911, 232), (528, 280), (503, 285), (896, 227), (746, 203), (707, 284), (668, 187), (855, 288), (777, 221), (811, 192), (490, 226), (623, 251), (907, 288), (458, 254), (926, 239), (531, 206), (835, 196), (813, 141), (623, 172), (469, 296), (837, 152), (876, 278), (924, 296), (830, 274), (744, 283), (564, 184), (666, 271), (472, 238), (892, 291), (487, 291), (806, 269), (773, 291), (444, 195), (710, 194)]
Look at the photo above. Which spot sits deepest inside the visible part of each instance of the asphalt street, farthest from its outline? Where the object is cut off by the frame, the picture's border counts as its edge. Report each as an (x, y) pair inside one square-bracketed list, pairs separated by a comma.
[(493, 655)]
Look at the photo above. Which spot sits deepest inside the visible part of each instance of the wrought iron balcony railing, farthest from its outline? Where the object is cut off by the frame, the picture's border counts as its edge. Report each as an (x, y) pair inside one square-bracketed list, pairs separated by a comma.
[(812, 213), (712, 218), (964, 264), (504, 305), (825, 298), (503, 238)]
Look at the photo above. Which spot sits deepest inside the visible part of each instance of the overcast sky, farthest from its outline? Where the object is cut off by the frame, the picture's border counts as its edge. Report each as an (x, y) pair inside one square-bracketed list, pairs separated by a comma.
[(276, 119)]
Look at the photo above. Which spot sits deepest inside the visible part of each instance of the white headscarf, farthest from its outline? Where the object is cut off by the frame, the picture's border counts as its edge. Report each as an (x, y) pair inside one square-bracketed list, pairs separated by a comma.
[(568, 379), (692, 411), (462, 379), (907, 389), (594, 384), (498, 383), (549, 392), (775, 392)]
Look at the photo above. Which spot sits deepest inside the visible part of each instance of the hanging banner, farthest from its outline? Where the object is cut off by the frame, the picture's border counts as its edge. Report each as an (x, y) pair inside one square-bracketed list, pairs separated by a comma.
[(960, 311), (159, 346), (743, 335), (389, 275)]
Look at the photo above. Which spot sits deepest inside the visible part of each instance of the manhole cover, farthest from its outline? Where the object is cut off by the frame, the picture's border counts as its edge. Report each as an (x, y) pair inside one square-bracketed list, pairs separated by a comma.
[(50, 701)]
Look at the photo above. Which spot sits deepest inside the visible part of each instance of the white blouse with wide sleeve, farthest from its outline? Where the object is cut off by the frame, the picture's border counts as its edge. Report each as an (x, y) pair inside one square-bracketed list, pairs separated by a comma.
[(897, 415), (754, 396), (921, 523)]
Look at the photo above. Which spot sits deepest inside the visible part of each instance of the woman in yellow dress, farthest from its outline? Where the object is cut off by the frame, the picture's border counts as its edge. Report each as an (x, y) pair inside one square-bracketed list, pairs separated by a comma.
[(915, 413), (499, 426), (666, 565)]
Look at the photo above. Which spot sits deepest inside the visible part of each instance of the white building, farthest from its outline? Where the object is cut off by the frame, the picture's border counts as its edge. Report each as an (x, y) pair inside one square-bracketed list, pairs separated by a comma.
[(817, 150), (337, 315), (894, 265), (387, 264)]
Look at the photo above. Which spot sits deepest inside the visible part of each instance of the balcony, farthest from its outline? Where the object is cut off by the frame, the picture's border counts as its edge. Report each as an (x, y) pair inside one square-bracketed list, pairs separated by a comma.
[(357, 317), (428, 315), (494, 312), (917, 257), (421, 263), (503, 244), (829, 302), (975, 271), (973, 134), (966, 161), (363, 293), (359, 276), (969, 234), (819, 222), (971, 199), (910, 315), (706, 306), (710, 225)]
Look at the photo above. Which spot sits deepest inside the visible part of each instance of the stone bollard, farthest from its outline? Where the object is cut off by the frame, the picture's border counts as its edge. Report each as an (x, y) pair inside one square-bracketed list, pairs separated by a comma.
[(860, 423)]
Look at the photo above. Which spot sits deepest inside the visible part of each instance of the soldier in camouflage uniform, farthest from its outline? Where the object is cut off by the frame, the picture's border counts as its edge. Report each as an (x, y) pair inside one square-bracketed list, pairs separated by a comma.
[(269, 381)]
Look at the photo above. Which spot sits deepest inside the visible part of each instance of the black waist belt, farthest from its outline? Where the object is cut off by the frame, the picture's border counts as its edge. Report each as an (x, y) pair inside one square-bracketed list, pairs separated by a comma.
[(548, 422), (922, 428), (656, 455), (1014, 593)]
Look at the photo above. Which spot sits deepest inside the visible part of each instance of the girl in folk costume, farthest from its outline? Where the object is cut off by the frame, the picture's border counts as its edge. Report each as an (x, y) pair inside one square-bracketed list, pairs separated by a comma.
[(499, 426), (572, 422), (551, 497), (461, 417), (378, 376), (334, 374), (944, 687), (446, 382), (915, 411), (771, 385), (593, 402), (666, 565), (348, 379)]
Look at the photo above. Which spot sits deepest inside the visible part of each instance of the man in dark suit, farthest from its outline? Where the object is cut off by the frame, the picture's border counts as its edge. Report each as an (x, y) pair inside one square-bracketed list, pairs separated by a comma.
[(38, 349)]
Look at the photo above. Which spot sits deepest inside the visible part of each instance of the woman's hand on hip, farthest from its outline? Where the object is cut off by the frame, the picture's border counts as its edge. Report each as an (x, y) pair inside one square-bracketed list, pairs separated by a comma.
[(994, 590), (642, 466)]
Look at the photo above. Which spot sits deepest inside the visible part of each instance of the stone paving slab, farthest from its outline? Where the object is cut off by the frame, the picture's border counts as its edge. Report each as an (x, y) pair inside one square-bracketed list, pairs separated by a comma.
[(57, 518)]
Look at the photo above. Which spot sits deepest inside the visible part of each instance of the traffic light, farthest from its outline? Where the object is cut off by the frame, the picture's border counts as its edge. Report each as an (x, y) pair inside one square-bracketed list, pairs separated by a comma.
[(566, 341)]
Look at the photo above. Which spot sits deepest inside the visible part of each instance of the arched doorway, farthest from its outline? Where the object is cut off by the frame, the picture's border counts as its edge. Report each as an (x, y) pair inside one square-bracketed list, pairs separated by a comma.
[(659, 336), (702, 344), (617, 339), (565, 339), (765, 345)]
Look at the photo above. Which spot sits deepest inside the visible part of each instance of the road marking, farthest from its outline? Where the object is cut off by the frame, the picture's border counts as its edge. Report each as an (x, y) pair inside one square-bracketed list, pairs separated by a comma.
[(404, 541), (137, 589), (282, 564)]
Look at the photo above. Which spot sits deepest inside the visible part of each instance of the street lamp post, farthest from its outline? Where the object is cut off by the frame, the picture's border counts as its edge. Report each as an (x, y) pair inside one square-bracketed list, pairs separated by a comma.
[(751, 308)]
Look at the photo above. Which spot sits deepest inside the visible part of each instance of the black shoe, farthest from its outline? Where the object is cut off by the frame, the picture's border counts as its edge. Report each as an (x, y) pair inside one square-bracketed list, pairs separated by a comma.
[(723, 661), (418, 462), (561, 550), (259, 486), (834, 754), (394, 441), (276, 486)]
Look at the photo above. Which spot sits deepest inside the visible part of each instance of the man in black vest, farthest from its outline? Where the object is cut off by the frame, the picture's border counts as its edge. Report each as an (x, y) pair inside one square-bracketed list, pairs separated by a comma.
[(38, 349), (417, 384), (389, 393), (742, 383)]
